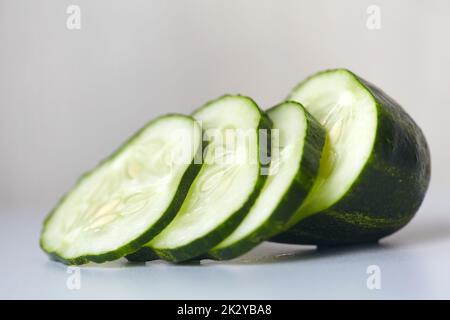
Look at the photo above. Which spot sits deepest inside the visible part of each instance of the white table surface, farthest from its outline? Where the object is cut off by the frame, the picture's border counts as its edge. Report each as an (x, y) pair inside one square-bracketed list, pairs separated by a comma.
[(414, 263)]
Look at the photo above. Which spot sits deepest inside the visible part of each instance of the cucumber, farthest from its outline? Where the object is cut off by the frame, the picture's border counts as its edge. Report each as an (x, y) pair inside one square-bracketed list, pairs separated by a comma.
[(295, 162), (226, 186), (129, 197), (375, 169)]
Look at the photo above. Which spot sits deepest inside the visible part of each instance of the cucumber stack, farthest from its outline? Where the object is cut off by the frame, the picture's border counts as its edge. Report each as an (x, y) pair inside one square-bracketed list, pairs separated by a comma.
[(338, 162)]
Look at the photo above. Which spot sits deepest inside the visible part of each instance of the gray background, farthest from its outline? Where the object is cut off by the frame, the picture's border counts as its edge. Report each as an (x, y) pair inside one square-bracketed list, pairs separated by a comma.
[(68, 98)]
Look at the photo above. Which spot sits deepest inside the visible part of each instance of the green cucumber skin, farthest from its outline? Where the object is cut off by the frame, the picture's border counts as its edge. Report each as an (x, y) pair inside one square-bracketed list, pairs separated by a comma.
[(202, 245), (142, 255), (145, 237), (388, 191), (297, 191)]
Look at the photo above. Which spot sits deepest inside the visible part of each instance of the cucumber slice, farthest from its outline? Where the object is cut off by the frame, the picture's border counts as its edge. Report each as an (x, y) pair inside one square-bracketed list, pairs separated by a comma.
[(226, 187), (375, 169), (128, 198), (295, 162)]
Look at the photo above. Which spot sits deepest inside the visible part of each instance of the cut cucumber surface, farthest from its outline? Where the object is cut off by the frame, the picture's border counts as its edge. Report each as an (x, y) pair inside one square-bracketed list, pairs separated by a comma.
[(375, 169), (297, 142), (226, 186), (128, 198)]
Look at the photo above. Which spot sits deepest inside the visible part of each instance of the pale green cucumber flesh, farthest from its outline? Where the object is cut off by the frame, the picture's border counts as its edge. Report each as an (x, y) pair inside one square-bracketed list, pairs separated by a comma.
[(129, 197)]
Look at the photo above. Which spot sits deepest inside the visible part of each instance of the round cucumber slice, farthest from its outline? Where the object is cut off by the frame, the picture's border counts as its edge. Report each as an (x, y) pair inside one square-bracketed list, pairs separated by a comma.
[(226, 186), (128, 198), (375, 169), (297, 142)]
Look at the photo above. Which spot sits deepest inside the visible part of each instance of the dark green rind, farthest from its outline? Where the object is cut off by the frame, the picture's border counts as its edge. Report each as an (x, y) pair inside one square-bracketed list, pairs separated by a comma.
[(388, 191), (142, 255), (149, 234), (292, 199), (202, 245)]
